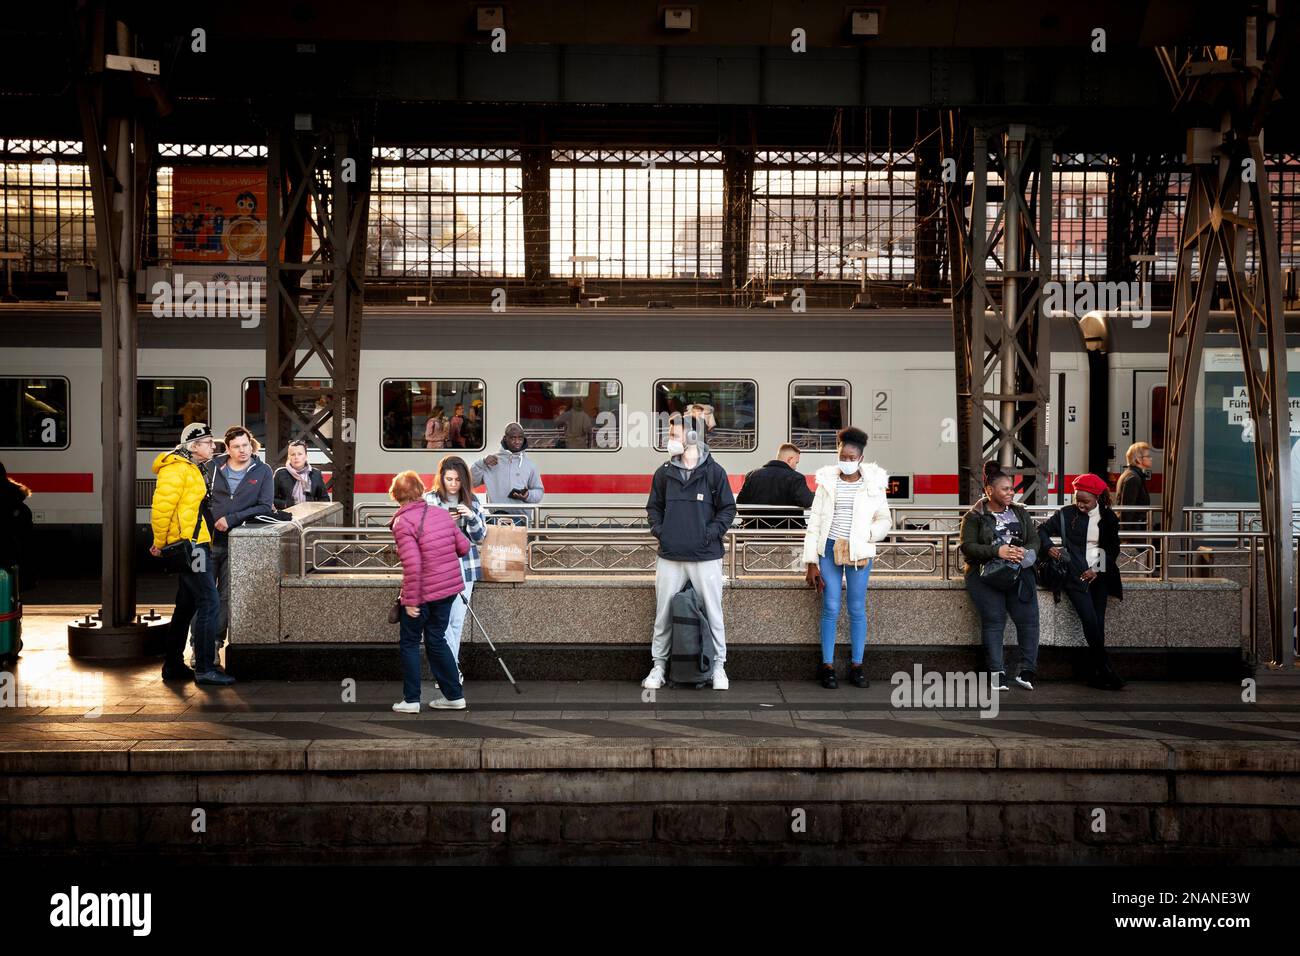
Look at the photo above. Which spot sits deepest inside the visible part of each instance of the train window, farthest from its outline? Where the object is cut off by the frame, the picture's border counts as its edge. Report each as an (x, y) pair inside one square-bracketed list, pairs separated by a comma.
[(164, 406), (255, 405), (1158, 393), (434, 414), (818, 410), (33, 413), (728, 410), (571, 414)]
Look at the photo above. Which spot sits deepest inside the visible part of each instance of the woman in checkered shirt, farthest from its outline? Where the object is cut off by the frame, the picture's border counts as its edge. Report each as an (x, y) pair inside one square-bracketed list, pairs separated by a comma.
[(453, 491)]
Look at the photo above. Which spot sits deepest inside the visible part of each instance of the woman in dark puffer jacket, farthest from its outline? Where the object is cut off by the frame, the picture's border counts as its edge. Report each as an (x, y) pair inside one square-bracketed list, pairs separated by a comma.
[(430, 547)]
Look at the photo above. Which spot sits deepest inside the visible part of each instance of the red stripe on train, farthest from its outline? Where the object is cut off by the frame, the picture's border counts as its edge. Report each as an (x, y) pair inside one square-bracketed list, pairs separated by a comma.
[(54, 482), (638, 484)]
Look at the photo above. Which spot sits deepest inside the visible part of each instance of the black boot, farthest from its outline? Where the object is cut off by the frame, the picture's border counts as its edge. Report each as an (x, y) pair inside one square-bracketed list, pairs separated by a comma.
[(177, 671), (827, 674), (857, 676)]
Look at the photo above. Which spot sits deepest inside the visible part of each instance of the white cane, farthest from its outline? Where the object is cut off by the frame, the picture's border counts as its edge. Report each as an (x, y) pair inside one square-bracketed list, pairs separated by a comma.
[(509, 676)]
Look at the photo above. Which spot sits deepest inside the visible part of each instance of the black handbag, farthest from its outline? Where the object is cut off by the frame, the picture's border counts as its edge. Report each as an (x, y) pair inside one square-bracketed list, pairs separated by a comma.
[(1000, 574), (395, 609), (178, 557), (1052, 573)]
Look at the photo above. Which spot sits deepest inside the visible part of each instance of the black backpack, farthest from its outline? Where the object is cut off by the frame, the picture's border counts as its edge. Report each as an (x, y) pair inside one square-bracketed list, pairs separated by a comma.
[(690, 663)]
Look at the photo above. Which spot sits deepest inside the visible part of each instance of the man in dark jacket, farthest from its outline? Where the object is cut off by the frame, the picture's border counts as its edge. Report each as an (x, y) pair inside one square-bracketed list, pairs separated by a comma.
[(240, 488), (777, 483), (1131, 487), (690, 509)]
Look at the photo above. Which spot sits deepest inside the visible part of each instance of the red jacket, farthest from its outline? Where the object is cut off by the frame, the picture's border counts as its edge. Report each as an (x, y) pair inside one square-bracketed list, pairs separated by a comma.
[(431, 561)]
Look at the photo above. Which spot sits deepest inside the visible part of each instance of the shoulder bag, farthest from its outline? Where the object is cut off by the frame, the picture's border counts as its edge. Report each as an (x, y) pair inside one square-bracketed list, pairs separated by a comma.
[(179, 555)]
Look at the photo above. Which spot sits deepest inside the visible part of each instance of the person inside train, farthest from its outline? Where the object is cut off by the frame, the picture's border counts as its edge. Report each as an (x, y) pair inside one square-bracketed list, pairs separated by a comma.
[(1131, 488), (453, 492), (296, 480), (574, 425), (509, 475), (240, 487), (177, 514), (1087, 533), (456, 427), (690, 510), (778, 484), (430, 547), (849, 514), (435, 428), (1000, 544)]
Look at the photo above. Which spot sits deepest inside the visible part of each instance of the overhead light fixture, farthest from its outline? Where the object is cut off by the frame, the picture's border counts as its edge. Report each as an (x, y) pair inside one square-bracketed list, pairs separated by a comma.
[(488, 19), (865, 22), (679, 18)]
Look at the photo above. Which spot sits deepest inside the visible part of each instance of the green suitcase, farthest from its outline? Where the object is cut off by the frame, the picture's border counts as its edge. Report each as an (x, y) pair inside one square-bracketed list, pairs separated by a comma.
[(11, 618)]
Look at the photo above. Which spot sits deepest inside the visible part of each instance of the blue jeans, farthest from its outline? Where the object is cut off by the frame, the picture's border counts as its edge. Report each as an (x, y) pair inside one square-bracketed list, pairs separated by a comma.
[(456, 623), (197, 601), (856, 579), (994, 606), (429, 628)]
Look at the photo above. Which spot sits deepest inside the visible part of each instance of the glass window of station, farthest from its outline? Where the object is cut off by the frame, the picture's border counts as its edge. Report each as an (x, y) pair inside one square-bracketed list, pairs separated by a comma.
[(33, 413), (164, 406), (255, 406), (818, 410), (570, 414), (432, 414), (727, 410)]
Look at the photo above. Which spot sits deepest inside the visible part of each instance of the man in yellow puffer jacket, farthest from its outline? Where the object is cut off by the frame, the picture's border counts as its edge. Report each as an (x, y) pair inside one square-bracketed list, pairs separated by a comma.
[(177, 515)]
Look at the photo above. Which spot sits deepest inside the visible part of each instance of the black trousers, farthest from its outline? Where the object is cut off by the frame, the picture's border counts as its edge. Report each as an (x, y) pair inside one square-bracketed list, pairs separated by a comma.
[(1091, 608)]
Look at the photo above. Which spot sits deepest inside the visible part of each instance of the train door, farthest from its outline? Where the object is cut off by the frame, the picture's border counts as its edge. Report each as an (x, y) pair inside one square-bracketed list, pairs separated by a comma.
[(1148, 424)]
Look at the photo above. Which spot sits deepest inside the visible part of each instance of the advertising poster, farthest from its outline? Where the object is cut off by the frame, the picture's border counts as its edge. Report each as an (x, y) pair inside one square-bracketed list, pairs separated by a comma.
[(219, 215)]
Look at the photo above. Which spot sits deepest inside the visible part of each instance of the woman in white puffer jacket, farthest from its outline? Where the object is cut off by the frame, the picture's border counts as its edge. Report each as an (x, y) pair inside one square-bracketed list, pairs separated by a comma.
[(849, 507)]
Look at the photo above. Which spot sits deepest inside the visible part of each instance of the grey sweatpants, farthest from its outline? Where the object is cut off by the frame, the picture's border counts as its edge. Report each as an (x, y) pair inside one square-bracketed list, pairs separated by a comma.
[(671, 577)]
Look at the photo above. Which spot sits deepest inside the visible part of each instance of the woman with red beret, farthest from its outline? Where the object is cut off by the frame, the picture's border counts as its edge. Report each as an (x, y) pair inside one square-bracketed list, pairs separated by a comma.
[(1087, 532)]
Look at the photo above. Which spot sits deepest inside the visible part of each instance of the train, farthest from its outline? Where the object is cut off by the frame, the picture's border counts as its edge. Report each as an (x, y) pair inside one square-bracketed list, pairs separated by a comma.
[(755, 378)]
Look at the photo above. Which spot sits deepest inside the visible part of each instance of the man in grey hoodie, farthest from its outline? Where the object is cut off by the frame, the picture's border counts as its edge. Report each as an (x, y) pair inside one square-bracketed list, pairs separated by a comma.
[(690, 509), (509, 474)]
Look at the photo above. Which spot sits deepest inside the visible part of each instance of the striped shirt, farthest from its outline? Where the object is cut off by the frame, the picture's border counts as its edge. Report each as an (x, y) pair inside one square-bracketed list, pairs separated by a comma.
[(845, 494)]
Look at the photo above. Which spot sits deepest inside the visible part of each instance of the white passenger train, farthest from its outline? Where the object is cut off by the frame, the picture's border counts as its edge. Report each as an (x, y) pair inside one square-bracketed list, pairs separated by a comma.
[(757, 378)]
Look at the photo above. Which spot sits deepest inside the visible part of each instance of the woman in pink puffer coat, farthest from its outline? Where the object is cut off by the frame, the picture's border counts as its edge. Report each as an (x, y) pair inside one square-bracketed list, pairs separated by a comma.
[(429, 545)]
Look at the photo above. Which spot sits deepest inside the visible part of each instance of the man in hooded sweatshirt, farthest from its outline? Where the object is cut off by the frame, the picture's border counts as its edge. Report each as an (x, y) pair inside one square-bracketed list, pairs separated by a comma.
[(690, 508), (176, 515), (509, 474)]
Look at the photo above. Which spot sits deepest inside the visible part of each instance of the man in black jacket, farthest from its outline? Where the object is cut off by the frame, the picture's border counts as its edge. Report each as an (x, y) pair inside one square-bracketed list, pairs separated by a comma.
[(777, 483), (690, 509), (1131, 487), (240, 487)]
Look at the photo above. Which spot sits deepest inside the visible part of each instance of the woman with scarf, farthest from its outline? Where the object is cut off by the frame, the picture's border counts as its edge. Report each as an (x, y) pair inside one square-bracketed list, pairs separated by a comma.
[(1087, 534), (297, 480)]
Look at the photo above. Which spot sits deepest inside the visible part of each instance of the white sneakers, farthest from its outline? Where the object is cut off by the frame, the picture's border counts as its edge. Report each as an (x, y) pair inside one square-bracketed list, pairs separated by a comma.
[(404, 707), (656, 678), (440, 702)]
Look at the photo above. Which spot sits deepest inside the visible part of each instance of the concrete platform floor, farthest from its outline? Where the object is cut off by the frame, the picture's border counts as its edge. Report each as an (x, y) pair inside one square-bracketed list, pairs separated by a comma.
[(136, 706)]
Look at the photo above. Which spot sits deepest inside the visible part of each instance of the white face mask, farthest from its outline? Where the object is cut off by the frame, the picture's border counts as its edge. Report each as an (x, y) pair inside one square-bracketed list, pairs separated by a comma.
[(849, 467), (675, 447)]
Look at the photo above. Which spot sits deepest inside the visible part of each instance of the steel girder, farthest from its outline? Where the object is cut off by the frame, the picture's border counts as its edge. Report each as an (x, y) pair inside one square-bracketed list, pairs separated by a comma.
[(1009, 349), (319, 181)]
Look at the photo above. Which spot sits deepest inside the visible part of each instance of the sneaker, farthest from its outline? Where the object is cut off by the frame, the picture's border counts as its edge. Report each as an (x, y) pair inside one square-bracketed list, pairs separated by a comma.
[(826, 674), (177, 672), (214, 679), (1025, 679), (407, 707), (720, 681), (442, 703), (858, 676), (999, 681), (655, 679)]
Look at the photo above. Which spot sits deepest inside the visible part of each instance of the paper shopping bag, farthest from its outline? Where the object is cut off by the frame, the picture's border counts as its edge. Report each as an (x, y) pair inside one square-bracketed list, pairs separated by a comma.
[(504, 553)]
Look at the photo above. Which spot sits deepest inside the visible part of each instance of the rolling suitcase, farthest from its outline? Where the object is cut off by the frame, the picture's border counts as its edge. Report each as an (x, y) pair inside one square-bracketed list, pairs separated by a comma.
[(690, 661), (11, 618)]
